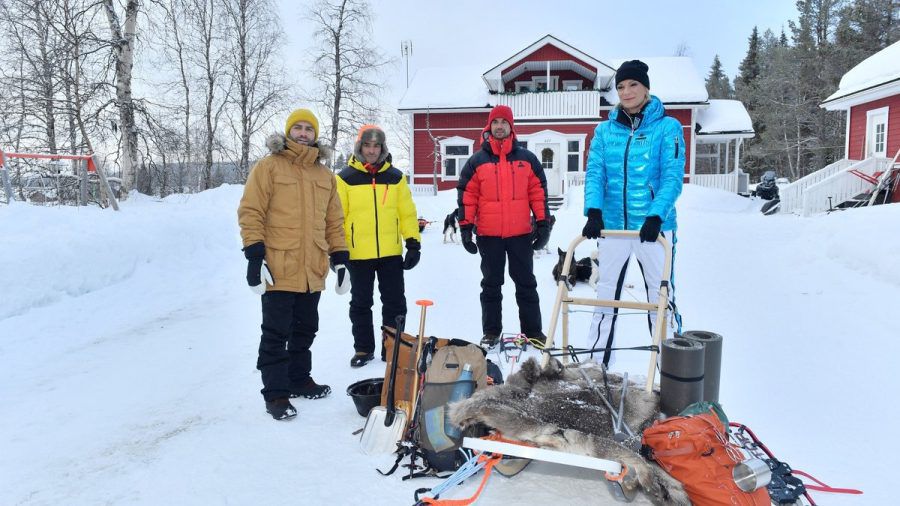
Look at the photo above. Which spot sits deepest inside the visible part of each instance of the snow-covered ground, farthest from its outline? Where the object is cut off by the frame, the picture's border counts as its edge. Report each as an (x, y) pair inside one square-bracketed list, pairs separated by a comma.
[(128, 345)]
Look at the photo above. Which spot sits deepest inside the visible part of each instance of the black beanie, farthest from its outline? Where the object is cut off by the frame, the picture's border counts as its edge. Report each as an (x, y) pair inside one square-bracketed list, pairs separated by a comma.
[(633, 69)]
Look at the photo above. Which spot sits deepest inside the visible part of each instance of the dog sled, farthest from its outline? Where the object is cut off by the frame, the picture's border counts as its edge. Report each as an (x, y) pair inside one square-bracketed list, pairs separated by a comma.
[(620, 453)]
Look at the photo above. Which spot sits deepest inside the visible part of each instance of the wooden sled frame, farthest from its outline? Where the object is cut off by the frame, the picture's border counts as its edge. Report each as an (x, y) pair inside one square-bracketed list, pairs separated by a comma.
[(564, 300), (620, 480)]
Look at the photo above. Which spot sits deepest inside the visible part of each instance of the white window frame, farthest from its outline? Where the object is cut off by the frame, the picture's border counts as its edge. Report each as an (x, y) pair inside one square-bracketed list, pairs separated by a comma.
[(454, 141), (574, 82), (872, 117), (532, 85), (580, 154)]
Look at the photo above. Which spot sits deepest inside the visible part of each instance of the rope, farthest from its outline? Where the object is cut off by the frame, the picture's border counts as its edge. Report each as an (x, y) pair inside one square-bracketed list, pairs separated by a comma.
[(489, 461), (822, 487)]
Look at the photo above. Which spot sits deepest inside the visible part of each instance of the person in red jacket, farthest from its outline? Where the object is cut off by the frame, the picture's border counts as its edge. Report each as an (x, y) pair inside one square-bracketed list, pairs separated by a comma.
[(500, 187)]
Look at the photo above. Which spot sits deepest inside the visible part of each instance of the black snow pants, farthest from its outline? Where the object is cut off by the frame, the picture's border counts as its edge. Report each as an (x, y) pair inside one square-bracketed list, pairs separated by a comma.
[(389, 271), (289, 325), (494, 253)]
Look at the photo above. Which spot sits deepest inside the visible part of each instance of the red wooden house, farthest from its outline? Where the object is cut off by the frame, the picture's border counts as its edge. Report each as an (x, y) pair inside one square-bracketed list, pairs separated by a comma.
[(558, 94), (870, 96)]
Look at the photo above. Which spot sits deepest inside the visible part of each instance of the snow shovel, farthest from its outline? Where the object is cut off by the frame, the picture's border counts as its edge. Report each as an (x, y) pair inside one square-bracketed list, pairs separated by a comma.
[(385, 424)]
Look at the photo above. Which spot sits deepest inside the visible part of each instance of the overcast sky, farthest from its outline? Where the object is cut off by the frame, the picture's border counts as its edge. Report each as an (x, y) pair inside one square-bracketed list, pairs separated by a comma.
[(484, 33)]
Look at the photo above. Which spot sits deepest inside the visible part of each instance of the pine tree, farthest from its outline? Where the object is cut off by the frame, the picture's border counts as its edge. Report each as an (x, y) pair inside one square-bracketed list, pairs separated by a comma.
[(749, 68), (717, 83)]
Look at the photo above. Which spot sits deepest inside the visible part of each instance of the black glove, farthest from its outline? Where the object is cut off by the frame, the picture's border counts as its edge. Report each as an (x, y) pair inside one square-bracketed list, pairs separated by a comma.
[(338, 258), (650, 228), (465, 233), (257, 268), (541, 235), (594, 224), (413, 252)]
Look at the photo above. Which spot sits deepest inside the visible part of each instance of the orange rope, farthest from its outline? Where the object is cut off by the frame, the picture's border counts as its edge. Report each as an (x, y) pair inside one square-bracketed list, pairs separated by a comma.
[(491, 460)]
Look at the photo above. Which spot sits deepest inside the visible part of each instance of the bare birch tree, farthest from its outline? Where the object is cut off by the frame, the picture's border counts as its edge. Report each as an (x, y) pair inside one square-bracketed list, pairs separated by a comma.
[(259, 86), (122, 41), (345, 65)]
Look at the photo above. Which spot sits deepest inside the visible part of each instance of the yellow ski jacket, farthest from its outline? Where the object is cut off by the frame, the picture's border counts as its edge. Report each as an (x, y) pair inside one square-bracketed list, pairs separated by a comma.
[(379, 212)]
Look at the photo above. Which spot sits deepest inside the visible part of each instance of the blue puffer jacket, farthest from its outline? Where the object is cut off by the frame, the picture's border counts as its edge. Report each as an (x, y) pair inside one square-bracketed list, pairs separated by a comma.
[(632, 174)]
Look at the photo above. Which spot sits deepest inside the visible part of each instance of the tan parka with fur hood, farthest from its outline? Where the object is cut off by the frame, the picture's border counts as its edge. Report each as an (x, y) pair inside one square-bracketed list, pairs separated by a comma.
[(290, 204)]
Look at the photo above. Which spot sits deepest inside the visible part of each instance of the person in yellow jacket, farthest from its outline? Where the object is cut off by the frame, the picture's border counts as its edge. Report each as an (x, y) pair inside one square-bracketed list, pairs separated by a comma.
[(292, 226), (379, 217)]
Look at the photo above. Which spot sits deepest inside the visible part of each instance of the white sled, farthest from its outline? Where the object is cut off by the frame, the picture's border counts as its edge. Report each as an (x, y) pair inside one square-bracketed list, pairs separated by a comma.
[(564, 300)]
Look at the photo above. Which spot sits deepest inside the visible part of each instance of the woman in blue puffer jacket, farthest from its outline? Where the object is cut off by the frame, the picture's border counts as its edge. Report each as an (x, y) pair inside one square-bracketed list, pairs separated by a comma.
[(634, 175)]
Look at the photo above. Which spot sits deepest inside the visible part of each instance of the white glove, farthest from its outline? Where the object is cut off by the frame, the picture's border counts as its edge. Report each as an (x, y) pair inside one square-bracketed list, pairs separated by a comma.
[(265, 275), (342, 283)]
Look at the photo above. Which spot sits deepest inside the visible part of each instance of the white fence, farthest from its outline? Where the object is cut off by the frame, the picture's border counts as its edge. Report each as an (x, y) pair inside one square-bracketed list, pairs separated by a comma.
[(553, 104), (574, 179), (792, 195), (422, 189), (725, 182), (841, 186)]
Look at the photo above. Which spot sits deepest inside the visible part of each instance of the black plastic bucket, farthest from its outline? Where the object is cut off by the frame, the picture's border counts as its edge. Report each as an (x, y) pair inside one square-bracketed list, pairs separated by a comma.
[(366, 394)]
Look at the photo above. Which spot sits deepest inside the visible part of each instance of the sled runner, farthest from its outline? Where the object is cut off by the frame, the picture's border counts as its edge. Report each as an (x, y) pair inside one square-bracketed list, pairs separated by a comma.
[(564, 299)]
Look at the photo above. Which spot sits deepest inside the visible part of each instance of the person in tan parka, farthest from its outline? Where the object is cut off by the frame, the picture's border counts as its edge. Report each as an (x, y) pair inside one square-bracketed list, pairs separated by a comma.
[(291, 224)]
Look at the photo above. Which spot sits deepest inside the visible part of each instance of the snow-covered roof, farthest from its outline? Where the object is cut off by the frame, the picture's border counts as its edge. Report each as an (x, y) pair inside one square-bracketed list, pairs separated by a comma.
[(724, 117), (881, 68), (672, 79), (446, 88)]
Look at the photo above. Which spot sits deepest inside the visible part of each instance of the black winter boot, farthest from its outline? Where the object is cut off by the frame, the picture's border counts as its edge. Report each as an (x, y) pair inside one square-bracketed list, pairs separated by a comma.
[(361, 358), (489, 340), (281, 409), (311, 390)]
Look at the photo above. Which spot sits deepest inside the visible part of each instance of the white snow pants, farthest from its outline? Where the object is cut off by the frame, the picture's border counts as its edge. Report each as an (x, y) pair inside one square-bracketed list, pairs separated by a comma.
[(614, 253)]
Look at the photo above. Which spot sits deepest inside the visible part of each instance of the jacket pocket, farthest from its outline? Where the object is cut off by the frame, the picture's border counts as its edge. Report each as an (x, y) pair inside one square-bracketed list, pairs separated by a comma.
[(321, 195), (320, 264), (284, 205)]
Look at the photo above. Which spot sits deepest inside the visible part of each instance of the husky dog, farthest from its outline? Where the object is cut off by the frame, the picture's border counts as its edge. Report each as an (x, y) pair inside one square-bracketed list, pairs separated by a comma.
[(579, 270), (450, 227), (555, 408)]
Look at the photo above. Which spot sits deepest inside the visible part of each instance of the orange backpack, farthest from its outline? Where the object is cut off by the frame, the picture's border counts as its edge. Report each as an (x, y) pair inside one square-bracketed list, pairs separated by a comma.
[(695, 450)]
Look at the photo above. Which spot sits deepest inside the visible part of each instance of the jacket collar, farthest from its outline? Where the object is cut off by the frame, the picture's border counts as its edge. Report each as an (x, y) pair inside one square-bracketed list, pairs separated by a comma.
[(652, 111), (364, 167), (300, 153), (495, 147)]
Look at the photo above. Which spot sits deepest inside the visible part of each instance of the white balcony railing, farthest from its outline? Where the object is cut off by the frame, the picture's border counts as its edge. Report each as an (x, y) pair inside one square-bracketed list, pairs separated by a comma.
[(791, 195), (553, 104), (842, 186)]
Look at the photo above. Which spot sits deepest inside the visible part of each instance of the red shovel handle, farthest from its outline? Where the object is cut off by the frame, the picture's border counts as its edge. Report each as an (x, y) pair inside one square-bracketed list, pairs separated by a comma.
[(424, 302)]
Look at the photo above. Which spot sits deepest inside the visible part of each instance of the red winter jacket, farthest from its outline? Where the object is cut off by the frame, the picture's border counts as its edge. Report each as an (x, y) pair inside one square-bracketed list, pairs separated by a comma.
[(500, 186)]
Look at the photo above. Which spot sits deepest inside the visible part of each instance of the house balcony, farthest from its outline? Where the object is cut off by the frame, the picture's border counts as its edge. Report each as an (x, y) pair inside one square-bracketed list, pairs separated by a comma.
[(553, 104)]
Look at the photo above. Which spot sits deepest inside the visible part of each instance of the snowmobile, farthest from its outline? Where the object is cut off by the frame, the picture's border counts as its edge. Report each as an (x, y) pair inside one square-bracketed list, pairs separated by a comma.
[(767, 189)]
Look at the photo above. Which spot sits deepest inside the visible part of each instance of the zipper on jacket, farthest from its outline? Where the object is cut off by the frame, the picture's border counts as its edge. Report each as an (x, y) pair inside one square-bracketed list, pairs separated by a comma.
[(352, 236), (375, 202), (497, 177), (625, 176), (676, 147), (512, 171)]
